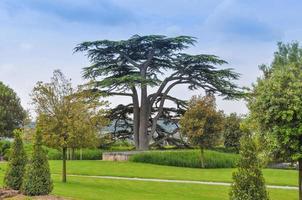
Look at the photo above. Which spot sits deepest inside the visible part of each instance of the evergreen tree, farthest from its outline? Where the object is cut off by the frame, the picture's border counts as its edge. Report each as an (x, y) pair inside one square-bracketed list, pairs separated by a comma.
[(248, 183), (37, 180), (17, 162), (132, 67)]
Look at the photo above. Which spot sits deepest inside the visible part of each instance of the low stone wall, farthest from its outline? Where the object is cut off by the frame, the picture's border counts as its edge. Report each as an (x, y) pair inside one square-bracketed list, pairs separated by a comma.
[(119, 156)]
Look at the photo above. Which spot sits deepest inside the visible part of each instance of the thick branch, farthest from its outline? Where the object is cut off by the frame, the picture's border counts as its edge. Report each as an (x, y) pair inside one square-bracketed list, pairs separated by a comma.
[(153, 96), (129, 59), (162, 102), (118, 93)]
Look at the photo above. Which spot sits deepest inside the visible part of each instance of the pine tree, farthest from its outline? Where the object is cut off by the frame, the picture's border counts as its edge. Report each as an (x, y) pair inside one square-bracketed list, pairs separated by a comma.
[(37, 180), (17, 162), (249, 183)]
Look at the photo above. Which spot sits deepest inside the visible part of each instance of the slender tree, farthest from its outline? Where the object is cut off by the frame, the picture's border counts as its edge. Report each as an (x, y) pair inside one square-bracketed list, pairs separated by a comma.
[(131, 67), (202, 124), (12, 115), (17, 161), (68, 118), (276, 103), (37, 180), (248, 183)]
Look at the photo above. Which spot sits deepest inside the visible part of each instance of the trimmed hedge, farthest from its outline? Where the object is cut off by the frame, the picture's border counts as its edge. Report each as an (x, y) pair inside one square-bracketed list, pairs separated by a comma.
[(16, 166), (187, 158), (37, 180)]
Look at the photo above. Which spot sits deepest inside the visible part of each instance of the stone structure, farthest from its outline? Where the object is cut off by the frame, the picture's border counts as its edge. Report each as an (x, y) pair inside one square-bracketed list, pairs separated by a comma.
[(119, 156)]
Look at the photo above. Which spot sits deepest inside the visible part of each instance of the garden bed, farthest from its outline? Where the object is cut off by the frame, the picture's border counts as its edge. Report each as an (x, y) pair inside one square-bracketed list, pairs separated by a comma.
[(15, 195)]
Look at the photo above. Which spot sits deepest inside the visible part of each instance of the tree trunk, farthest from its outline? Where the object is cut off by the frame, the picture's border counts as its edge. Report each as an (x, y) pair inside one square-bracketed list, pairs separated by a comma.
[(64, 165), (73, 154), (143, 120), (81, 154), (201, 157), (136, 126), (300, 179), (136, 111)]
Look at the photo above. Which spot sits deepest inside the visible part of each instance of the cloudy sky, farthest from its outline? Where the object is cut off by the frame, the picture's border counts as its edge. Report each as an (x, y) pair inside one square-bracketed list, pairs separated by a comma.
[(38, 36)]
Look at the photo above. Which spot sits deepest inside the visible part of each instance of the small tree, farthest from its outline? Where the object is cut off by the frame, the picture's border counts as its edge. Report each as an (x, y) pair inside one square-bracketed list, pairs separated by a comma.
[(17, 161), (248, 183), (232, 132), (202, 124), (67, 117), (37, 180)]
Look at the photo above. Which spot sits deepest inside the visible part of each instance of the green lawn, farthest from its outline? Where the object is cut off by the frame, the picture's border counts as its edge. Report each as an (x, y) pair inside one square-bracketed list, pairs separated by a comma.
[(99, 189), (84, 188), (129, 169)]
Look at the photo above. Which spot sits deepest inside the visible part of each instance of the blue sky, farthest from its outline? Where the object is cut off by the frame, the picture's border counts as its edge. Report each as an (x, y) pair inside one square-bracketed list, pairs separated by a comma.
[(37, 36)]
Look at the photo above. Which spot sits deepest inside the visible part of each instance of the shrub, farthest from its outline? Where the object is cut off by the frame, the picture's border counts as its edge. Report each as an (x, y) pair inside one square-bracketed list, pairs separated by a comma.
[(248, 183), (17, 161), (232, 132), (37, 180), (187, 158), (4, 148)]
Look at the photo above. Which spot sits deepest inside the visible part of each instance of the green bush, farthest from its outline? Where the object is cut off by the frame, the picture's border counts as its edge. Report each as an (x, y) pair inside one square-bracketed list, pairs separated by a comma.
[(17, 161), (248, 183), (37, 180), (4, 148), (187, 158)]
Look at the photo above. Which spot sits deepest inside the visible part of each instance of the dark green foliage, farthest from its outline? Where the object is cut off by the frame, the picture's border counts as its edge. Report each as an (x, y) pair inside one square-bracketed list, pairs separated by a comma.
[(17, 161), (187, 158), (248, 183), (119, 63), (129, 67), (4, 149), (37, 180), (232, 132), (12, 115)]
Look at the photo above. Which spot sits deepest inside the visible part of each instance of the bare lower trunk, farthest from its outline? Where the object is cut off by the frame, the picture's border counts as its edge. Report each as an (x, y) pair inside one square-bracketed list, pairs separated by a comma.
[(64, 152), (143, 120), (136, 117), (73, 154), (201, 157), (143, 131), (300, 179), (136, 127)]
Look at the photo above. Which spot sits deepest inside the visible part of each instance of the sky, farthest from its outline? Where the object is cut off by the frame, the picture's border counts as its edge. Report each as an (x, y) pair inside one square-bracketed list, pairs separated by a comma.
[(38, 36)]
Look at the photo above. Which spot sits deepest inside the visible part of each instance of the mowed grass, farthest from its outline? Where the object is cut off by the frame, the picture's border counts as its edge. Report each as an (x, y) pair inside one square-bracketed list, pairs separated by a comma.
[(81, 188), (86, 188), (141, 170), (188, 158), (100, 189)]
